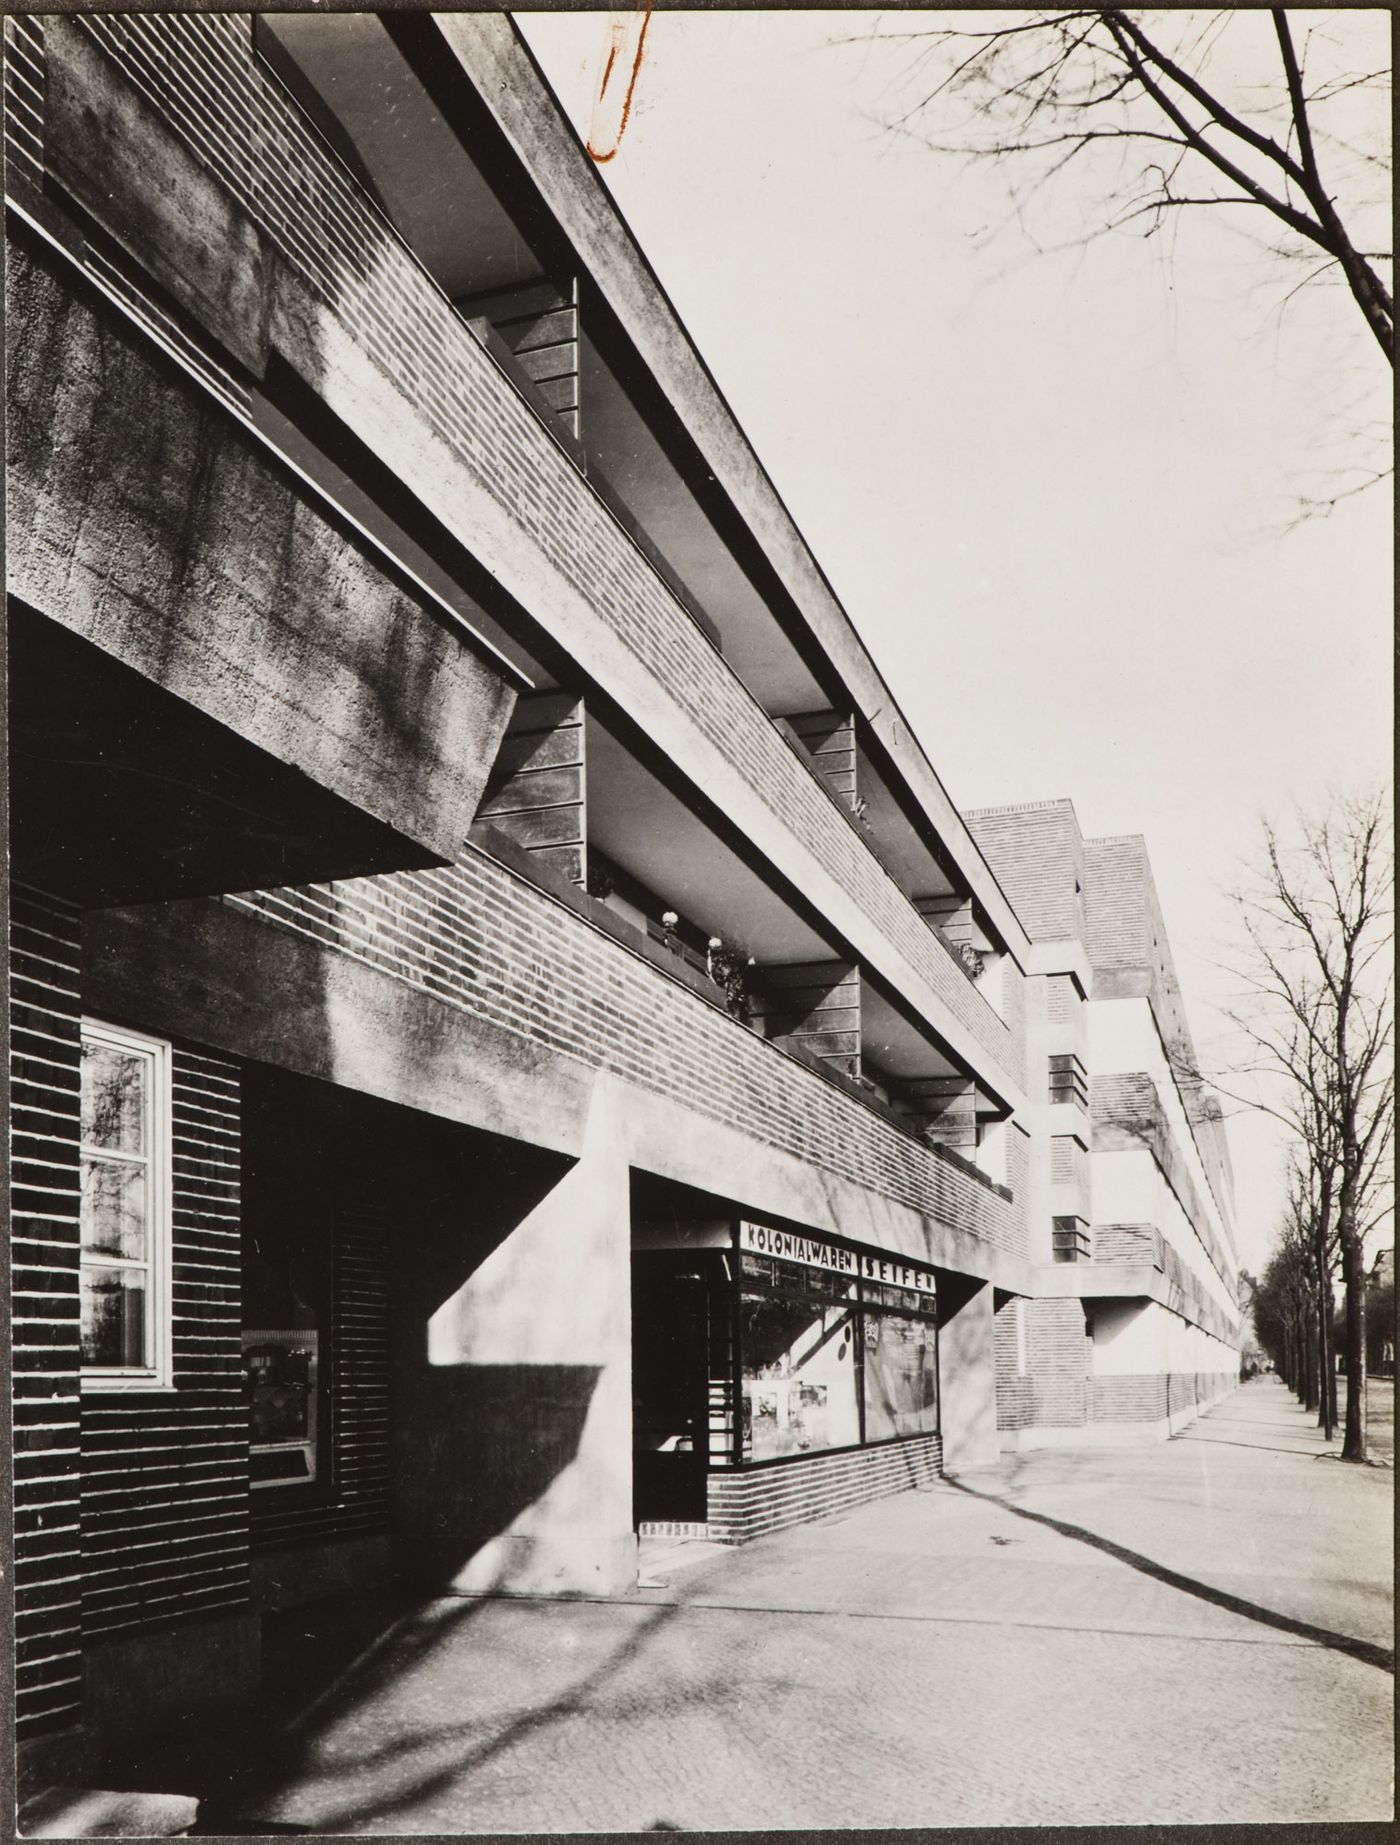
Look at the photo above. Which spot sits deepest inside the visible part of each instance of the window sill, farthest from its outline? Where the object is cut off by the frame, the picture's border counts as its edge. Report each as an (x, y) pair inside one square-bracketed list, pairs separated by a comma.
[(126, 1386)]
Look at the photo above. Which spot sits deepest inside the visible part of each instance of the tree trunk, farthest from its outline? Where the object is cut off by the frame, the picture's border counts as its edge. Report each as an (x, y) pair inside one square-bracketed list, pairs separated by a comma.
[(1326, 1365), (1331, 1368), (1354, 1280), (1307, 1340)]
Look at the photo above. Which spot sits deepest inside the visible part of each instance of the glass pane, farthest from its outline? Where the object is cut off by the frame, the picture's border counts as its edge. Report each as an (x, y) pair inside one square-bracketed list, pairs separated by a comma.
[(800, 1390), (796, 1277), (114, 1317), (884, 1295), (278, 1376), (114, 1098), (114, 1209), (901, 1377)]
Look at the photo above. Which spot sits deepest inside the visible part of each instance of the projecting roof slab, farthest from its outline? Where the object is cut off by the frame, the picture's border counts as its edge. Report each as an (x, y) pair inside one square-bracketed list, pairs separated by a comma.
[(144, 521)]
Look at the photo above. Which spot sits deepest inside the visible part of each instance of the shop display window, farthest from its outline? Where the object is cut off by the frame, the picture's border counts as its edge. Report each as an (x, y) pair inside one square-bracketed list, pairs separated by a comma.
[(801, 1392), (828, 1361), (901, 1376), (286, 1285)]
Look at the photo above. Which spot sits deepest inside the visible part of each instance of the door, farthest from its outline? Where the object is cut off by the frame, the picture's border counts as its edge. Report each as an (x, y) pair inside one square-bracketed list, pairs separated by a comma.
[(670, 1387)]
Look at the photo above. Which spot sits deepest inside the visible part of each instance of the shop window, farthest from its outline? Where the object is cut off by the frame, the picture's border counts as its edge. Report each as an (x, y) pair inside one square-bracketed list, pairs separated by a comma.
[(829, 1360), (800, 1373), (124, 1213), (901, 1376)]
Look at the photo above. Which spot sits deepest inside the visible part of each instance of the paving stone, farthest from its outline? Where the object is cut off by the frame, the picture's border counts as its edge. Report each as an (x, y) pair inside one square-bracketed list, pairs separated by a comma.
[(1196, 1632)]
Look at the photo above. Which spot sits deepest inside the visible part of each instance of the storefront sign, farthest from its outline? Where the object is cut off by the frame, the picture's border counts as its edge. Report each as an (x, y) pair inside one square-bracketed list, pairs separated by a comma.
[(812, 1252)]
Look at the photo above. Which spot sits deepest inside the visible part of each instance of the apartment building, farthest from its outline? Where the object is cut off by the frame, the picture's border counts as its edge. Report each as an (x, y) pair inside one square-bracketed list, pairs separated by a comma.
[(1137, 1326), (512, 1044)]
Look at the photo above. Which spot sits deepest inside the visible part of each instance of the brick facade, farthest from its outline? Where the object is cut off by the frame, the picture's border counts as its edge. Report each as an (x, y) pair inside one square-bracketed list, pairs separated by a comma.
[(130, 1508), (45, 1017), (1154, 1397), (171, 1544), (755, 1500), (479, 937), (203, 76)]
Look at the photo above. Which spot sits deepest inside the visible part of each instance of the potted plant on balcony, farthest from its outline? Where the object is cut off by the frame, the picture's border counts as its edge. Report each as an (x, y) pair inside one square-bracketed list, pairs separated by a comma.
[(727, 965)]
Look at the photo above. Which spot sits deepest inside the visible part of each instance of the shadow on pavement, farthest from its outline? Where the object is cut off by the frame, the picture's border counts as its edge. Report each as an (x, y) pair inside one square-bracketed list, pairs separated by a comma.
[(1254, 1447), (417, 1762), (1364, 1650)]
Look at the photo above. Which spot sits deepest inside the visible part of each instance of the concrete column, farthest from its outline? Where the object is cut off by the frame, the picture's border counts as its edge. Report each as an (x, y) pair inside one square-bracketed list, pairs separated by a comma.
[(966, 1372), (818, 1004), (829, 738), (550, 1308), (537, 792), (946, 1108)]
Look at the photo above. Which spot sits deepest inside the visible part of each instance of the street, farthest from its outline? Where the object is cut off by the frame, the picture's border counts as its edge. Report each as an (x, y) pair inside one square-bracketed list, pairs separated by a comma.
[(1196, 1632)]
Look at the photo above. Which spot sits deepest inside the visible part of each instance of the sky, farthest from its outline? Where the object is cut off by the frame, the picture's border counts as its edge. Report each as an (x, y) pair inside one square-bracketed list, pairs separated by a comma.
[(1055, 489)]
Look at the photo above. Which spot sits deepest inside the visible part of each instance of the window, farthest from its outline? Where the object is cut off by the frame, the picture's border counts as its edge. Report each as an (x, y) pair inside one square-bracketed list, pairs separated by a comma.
[(279, 1372), (125, 1209), (900, 1358), (832, 1362), (801, 1374)]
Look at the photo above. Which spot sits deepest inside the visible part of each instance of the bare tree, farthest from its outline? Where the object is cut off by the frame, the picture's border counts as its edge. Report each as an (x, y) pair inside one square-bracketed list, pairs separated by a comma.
[(1060, 84), (1266, 121), (1317, 924), (1311, 1227), (1283, 1304)]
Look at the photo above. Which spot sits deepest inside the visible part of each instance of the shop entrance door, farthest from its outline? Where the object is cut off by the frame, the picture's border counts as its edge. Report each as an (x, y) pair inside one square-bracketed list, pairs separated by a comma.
[(670, 1387)]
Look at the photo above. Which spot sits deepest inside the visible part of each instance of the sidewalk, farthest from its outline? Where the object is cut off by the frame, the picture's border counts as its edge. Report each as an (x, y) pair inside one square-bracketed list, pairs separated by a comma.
[(1195, 1632)]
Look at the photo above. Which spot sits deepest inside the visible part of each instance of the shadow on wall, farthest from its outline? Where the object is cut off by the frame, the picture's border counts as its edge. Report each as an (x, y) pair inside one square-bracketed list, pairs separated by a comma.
[(967, 1385), (487, 1405), (511, 1376), (480, 1445)]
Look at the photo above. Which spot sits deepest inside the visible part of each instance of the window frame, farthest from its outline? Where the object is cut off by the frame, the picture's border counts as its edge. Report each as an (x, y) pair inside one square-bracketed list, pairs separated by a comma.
[(784, 1280), (157, 1373)]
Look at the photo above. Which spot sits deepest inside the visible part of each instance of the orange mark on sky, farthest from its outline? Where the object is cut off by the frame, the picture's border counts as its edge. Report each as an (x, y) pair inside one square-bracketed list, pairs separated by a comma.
[(598, 137)]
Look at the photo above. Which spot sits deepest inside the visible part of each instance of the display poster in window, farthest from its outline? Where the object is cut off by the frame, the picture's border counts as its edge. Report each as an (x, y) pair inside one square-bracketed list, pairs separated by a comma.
[(279, 1372)]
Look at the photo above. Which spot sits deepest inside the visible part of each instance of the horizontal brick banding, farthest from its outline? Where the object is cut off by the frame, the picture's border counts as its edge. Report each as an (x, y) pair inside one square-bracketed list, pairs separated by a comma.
[(1037, 854), (1188, 1389), (536, 795), (829, 738), (1140, 1398), (752, 1501), (1064, 1006), (1053, 1391), (24, 99), (487, 941), (45, 1054), (1153, 1396), (1128, 1113), (355, 1499), (201, 73), (1133, 1243), (165, 1474), (1014, 1390)]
